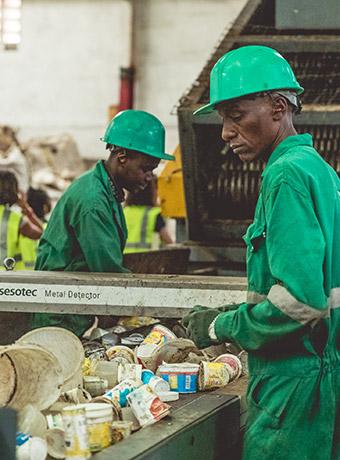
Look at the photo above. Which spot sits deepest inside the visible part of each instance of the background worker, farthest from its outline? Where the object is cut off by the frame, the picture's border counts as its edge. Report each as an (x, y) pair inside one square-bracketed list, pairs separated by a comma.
[(13, 224), (87, 229), (144, 220), (40, 203), (290, 324)]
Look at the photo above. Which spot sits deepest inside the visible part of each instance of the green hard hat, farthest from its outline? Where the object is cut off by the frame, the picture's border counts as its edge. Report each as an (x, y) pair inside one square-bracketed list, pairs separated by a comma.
[(138, 130), (247, 70)]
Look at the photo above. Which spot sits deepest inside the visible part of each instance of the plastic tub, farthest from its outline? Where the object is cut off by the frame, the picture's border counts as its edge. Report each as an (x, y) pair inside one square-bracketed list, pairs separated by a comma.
[(233, 364), (99, 417), (182, 377), (29, 375), (65, 346), (213, 375)]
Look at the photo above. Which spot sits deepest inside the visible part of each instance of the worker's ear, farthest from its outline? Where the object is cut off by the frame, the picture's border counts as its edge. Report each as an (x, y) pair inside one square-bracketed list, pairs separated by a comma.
[(122, 157), (280, 107)]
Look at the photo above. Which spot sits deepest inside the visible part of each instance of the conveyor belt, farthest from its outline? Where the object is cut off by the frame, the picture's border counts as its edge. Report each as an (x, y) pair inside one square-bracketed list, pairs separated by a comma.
[(202, 426)]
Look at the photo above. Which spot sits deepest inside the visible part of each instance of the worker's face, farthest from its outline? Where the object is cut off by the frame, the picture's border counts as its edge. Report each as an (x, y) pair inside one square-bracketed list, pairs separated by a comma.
[(137, 171), (249, 126)]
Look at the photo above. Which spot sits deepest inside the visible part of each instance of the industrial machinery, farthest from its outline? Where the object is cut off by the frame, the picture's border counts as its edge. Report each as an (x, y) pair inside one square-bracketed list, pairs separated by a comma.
[(221, 191)]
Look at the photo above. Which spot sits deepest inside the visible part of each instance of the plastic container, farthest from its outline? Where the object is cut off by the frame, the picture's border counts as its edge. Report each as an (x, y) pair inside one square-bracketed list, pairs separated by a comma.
[(107, 370), (158, 336), (129, 371), (34, 449), (120, 351), (173, 352), (147, 406), (76, 433), (29, 374), (213, 375), (233, 364), (167, 396), (121, 430), (99, 417), (56, 446), (147, 375), (116, 409), (120, 391), (182, 377), (158, 385), (96, 386), (31, 421), (65, 346)]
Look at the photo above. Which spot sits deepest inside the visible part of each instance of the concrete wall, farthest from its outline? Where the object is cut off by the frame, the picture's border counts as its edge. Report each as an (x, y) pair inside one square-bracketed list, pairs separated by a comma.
[(64, 75), (176, 38)]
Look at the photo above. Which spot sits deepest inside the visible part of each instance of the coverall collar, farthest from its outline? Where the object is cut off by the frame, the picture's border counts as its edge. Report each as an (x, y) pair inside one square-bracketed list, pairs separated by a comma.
[(287, 144), (108, 181)]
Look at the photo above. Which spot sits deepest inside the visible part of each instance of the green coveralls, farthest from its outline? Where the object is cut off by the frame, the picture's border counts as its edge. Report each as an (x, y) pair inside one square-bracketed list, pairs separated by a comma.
[(290, 324), (86, 233)]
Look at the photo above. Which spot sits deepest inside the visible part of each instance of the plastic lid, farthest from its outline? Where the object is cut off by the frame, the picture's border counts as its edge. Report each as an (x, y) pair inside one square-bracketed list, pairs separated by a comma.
[(63, 344), (178, 367), (167, 396)]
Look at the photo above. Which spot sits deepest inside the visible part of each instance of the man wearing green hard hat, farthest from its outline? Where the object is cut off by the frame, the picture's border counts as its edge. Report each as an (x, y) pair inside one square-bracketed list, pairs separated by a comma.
[(87, 231), (290, 323)]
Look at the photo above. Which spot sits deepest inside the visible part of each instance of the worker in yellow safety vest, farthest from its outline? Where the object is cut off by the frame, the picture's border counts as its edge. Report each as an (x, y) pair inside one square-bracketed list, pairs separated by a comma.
[(13, 224), (40, 202), (145, 224)]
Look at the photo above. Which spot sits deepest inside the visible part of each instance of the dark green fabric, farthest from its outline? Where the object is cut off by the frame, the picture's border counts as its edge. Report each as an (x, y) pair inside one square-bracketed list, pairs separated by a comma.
[(87, 233)]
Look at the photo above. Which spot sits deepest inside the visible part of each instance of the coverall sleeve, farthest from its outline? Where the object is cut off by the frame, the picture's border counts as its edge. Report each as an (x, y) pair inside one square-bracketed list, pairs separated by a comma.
[(98, 237), (296, 251)]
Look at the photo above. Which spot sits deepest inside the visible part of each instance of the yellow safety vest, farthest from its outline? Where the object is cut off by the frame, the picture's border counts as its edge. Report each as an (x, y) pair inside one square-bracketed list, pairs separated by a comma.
[(9, 236), (140, 222), (29, 250)]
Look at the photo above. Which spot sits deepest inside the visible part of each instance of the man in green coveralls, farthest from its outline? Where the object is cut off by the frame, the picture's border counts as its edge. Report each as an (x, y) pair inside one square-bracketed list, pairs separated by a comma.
[(290, 323), (86, 231)]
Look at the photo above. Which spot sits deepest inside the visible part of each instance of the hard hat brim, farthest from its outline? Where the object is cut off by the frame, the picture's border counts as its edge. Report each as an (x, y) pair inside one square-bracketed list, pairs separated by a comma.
[(160, 156), (205, 110), (209, 108)]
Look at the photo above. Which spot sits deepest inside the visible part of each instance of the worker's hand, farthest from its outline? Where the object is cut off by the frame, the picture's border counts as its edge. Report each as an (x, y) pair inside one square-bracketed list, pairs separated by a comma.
[(197, 324), (22, 202)]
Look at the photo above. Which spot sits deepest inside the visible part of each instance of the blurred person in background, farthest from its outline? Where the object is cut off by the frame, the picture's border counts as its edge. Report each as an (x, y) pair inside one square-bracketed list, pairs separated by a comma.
[(12, 158), (145, 224), (40, 202), (14, 224)]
